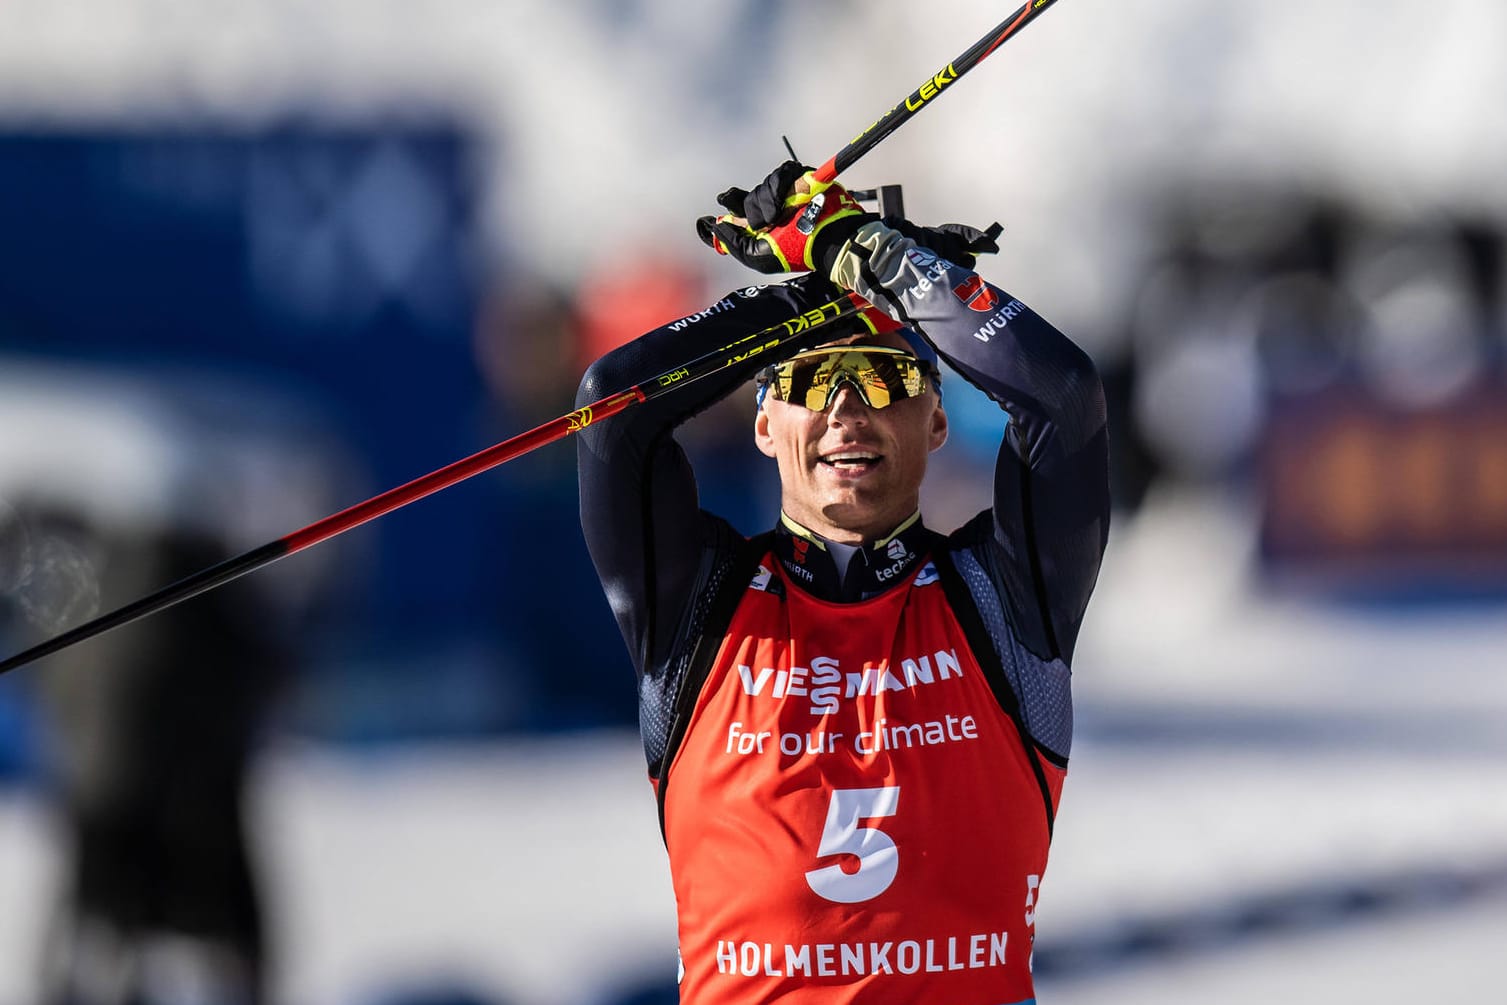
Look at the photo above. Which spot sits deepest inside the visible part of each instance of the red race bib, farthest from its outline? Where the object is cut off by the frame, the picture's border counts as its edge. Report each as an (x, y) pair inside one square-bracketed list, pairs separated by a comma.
[(851, 816)]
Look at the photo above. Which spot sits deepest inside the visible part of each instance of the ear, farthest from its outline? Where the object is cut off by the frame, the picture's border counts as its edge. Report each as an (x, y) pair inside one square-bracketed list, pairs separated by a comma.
[(938, 433), (762, 437)]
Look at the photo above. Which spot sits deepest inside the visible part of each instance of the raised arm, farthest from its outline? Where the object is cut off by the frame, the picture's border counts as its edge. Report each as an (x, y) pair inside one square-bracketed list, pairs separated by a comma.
[(1050, 519), (1051, 479), (639, 510)]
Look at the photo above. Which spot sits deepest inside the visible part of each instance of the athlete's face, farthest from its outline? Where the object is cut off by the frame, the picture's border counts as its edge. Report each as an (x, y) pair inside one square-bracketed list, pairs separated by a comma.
[(852, 472)]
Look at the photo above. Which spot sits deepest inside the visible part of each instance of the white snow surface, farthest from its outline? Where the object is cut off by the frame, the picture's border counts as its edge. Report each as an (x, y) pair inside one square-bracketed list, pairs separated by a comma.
[(1362, 754)]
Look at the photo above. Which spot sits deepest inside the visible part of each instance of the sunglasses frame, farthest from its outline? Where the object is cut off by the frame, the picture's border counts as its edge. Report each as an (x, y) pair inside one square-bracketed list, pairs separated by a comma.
[(769, 378)]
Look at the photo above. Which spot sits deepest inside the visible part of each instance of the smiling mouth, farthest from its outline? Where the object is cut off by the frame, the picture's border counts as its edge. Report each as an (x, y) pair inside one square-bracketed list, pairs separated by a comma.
[(851, 460)]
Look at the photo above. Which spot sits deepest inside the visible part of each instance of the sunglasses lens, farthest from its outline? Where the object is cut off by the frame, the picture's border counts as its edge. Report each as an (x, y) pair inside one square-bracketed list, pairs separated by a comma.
[(880, 377)]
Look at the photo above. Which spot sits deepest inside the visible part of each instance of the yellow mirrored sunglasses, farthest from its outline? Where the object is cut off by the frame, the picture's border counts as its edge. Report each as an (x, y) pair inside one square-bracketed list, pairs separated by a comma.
[(880, 374)]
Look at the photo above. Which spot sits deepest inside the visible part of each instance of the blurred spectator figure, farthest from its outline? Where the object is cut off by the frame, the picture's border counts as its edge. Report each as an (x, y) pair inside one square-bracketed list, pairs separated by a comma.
[(110, 490), (153, 727), (1345, 364), (532, 343), (527, 343), (1425, 343), (1201, 326)]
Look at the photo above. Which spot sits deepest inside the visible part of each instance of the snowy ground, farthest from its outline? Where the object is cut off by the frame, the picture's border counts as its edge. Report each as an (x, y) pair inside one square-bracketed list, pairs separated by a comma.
[(1266, 803)]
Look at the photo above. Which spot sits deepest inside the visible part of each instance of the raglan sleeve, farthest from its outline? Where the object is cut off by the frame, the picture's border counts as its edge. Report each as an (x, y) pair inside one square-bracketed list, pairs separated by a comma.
[(1050, 518), (640, 511)]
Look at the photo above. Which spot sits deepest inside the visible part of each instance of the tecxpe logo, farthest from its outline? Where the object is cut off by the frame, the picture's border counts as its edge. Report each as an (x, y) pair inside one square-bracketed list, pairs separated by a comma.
[(976, 294), (930, 266), (899, 556)]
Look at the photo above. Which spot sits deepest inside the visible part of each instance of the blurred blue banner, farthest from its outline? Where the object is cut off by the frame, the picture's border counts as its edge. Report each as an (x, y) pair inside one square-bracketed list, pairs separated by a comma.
[(325, 280)]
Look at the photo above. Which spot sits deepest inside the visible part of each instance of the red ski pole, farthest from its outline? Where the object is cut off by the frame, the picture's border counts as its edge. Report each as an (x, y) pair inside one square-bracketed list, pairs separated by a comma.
[(338, 523), (559, 428)]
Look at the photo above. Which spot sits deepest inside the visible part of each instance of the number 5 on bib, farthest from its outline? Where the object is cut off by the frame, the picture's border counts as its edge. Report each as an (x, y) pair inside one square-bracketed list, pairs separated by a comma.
[(878, 858)]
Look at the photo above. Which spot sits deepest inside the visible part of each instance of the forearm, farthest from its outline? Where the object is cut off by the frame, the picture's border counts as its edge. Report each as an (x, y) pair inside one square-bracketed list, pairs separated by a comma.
[(1046, 383), (639, 507), (1051, 482)]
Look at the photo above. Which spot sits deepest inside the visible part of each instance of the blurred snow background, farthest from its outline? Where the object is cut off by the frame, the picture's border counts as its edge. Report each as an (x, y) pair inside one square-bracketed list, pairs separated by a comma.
[(1291, 773)]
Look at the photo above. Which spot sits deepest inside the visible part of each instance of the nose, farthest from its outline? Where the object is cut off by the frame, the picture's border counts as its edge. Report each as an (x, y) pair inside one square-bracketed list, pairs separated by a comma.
[(847, 406)]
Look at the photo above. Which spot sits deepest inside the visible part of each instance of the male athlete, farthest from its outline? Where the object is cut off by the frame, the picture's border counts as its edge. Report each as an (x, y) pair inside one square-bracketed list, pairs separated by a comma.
[(857, 727)]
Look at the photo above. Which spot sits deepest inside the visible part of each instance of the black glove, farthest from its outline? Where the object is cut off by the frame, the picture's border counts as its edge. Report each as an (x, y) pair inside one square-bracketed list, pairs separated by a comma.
[(786, 230), (959, 243)]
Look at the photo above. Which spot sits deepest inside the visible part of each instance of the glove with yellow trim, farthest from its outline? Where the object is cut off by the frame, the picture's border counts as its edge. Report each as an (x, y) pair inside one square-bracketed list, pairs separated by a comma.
[(789, 223)]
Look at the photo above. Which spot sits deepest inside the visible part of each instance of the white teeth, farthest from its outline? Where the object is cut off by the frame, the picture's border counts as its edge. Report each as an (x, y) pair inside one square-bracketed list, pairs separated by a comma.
[(850, 458)]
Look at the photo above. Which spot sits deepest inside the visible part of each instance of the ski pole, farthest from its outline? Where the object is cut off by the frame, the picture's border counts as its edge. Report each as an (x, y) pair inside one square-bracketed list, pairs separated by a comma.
[(559, 428), (931, 88), (761, 341)]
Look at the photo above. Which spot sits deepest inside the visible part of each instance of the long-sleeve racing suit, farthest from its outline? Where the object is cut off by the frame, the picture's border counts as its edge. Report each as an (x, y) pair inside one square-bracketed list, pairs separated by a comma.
[(1019, 577)]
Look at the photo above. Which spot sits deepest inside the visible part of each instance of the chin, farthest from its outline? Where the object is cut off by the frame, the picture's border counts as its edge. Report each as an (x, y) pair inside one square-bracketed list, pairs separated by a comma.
[(852, 517)]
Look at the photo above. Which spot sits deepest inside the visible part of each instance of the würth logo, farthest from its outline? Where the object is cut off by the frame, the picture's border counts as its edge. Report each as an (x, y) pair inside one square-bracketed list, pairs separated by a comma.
[(976, 295)]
